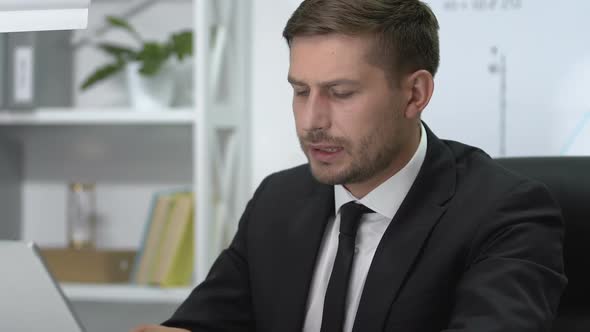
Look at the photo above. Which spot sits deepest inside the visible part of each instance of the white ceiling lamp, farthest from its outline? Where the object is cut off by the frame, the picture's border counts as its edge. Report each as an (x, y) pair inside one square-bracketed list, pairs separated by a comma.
[(41, 15)]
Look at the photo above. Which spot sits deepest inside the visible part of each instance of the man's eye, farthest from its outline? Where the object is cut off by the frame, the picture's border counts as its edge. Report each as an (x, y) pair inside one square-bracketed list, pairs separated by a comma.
[(342, 95), (301, 92)]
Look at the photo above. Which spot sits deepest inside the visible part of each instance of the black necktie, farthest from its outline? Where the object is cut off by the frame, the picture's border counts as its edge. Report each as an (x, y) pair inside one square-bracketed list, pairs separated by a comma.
[(335, 300)]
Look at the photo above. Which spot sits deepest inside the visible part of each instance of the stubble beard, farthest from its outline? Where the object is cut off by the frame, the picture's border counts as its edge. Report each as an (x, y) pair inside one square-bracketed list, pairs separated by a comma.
[(372, 155)]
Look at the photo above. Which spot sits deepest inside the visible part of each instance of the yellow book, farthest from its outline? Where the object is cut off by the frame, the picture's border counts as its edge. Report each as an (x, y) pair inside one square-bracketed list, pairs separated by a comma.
[(180, 271), (151, 242), (174, 264)]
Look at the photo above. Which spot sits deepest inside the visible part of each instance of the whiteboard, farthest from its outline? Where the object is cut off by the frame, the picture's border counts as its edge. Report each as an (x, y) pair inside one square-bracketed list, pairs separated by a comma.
[(543, 89)]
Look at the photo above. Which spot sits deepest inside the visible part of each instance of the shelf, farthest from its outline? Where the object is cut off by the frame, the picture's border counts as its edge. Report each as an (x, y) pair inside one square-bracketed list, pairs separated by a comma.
[(78, 116), (123, 293)]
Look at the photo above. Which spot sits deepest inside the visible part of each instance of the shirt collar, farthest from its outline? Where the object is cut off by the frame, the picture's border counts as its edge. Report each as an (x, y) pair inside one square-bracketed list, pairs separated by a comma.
[(388, 196)]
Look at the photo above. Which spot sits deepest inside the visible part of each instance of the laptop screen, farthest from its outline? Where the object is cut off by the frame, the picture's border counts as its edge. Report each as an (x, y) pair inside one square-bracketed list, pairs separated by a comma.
[(30, 299)]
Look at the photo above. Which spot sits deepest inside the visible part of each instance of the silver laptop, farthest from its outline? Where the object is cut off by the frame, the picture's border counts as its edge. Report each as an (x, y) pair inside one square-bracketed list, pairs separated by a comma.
[(30, 299)]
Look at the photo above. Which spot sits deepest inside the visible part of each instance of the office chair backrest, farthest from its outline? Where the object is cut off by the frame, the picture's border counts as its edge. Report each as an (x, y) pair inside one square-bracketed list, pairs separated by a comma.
[(568, 179)]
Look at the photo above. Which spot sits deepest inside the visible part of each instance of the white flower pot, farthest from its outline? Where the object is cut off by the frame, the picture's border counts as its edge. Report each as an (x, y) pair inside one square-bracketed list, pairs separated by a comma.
[(150, 92), (184, 94)]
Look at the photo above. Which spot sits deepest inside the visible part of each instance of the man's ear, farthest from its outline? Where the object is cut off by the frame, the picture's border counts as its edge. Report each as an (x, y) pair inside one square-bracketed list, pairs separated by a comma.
[(418, 87)]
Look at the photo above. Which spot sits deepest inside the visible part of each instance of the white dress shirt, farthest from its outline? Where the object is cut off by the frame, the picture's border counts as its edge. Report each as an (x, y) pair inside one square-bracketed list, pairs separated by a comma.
[(385, 201)]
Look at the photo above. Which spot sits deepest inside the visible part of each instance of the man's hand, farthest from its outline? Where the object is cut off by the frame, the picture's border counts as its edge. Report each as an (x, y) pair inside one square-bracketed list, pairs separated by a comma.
[(156, 328)]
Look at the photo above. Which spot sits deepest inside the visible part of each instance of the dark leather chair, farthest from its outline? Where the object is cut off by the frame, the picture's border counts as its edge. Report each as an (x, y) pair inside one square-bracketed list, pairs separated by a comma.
[(568, 179)]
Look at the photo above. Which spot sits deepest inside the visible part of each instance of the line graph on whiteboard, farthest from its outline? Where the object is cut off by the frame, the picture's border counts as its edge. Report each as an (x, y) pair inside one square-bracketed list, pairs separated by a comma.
[(579, 141), (510, 83)]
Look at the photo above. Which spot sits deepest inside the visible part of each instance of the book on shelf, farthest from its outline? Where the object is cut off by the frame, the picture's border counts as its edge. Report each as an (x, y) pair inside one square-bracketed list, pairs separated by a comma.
[(148, 250), (30, 65), (166, 255)]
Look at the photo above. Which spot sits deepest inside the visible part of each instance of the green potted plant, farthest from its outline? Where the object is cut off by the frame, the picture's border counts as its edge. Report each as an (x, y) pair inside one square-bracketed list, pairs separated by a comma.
[(150, 77)]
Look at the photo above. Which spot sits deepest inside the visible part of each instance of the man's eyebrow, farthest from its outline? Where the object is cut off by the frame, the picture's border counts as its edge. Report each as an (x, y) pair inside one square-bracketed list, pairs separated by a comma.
[(342, 81), (294, 81)]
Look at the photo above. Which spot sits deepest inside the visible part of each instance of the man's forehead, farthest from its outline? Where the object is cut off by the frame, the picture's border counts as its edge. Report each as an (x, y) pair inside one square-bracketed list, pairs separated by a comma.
[(310, 67), (329, 46)]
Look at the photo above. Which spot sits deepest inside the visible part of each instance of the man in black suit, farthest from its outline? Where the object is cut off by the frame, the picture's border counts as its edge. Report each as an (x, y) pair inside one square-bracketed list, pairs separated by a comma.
[(387, 228)]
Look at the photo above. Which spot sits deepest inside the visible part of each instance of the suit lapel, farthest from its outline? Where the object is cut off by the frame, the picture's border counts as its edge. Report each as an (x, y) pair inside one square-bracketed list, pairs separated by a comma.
[(305, 234), (404, 238)]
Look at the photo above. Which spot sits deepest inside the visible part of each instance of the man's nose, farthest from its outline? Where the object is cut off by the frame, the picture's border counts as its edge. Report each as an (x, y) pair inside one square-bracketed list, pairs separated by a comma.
[(318, 113)]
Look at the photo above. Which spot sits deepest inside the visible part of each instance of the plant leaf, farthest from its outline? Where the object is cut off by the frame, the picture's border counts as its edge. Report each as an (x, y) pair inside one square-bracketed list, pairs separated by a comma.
[(152, 57), (102, 73), (182, 44), (122, 24), (151, 67), (118, 51)]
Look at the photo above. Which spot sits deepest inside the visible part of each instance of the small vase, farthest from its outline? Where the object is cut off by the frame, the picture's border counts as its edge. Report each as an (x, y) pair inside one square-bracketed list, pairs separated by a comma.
[(150, 92)]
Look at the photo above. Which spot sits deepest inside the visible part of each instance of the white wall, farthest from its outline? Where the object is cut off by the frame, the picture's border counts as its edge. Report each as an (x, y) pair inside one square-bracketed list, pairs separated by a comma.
[(274, 142)]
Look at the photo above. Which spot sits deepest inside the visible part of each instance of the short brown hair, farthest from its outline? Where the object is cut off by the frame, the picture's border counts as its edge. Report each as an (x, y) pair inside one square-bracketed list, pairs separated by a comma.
[(405, 31)]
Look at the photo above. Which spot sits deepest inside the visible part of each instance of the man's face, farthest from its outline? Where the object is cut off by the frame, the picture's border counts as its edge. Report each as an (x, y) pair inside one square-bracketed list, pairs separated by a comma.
[(349, 118)]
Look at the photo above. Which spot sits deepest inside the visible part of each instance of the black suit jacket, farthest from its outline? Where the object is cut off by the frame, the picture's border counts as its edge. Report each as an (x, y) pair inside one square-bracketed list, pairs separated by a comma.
[(473, 247)]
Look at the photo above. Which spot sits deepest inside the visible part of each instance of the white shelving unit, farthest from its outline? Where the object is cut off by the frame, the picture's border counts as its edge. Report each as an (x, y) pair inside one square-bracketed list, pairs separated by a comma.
[(133, 153), (119, 116)]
